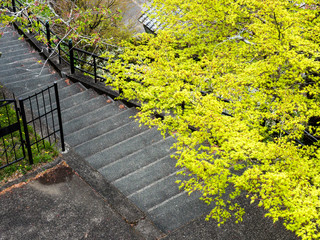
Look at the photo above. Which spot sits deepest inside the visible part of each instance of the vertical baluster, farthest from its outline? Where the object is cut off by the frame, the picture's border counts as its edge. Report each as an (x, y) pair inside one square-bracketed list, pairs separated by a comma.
[(39, 26), (20, 131), (14, 9), (48, 36), (26, 131), (59, 116), (95, 69), (71, 57), (52, 116), (59, 49), (46, 117)]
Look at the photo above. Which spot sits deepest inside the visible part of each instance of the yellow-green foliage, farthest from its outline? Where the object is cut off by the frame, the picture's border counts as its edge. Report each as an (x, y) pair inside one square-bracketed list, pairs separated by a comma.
[(262, 56), (92, 25)]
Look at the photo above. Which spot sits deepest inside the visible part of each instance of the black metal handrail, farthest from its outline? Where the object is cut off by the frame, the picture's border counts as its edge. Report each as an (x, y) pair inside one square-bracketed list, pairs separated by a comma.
[(59, 48), (37, 98), (44, 117)]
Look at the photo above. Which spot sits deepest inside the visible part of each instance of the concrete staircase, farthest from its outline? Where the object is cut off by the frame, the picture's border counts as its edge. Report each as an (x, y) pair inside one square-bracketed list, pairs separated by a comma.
[(136, 160)]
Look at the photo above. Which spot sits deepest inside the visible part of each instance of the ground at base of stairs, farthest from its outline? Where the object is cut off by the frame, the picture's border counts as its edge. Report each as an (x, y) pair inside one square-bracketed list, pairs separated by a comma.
[(58, 204)]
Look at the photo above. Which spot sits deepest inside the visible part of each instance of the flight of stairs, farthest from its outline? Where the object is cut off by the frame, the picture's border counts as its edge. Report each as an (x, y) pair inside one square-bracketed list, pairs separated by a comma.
[(135, 159)]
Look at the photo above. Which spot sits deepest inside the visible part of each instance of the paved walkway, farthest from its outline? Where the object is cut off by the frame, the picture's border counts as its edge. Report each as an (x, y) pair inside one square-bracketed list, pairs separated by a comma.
[(58, 204)]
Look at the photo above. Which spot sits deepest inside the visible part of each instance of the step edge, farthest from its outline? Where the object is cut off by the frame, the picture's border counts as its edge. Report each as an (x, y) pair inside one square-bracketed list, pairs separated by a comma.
[(66, 87), (98, 122), (26, 74), (25, 54), (97, 98), (19, 67), (166, 201), (142, 169), (136, 152), (36, 90), (113, 130), (54, 103), (30, 79), (75, 95), (25, 60), (121, 142), (153, 183), (105, 106)]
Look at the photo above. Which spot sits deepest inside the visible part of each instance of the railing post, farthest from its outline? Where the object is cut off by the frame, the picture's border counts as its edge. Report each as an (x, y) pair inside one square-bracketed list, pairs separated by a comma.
[(59, 116), (48, 35), (183, 106), (95, 69), (26, 131), (38, 22), (71, 57), (14, 6), (29, 19), (18, 119), (59, 49)]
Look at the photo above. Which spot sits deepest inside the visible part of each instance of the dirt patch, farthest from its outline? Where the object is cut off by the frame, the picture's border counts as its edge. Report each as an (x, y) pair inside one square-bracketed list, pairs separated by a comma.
[(18, 174), (61, 173)]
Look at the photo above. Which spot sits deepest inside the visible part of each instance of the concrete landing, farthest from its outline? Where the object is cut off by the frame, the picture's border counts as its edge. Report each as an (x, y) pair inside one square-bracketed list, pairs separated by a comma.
[(58, 204)]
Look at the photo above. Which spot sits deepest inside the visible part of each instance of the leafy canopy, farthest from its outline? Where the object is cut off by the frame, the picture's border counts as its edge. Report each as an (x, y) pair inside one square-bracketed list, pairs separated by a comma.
[(245, 75), (92, 25)]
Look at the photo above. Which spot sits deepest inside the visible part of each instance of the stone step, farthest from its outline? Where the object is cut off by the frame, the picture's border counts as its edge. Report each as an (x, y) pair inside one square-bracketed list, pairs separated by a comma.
[(98, 128), (108, 139), (19, 68), (10, 36), (65, 89), (65, 103), (15, 59), (33, 100), (129, 163), (19, 75), (123, 148), (157, 192), (70, 89), (76, 111), (77, 99), (146, 175), (91, 117), (24, 63), (15, 52), (27, 85), (5, 28), (178, 211), (13, 45), (7, 39), (81, 109)]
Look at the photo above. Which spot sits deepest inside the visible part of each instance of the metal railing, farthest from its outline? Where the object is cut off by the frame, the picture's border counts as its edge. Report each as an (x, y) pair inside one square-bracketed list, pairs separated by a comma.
[(45, 115), (65, 50), (17, 138), (11, 138)]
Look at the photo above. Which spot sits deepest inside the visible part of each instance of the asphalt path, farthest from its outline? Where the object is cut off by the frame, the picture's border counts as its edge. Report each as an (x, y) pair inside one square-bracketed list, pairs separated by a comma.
[(58, 204)]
